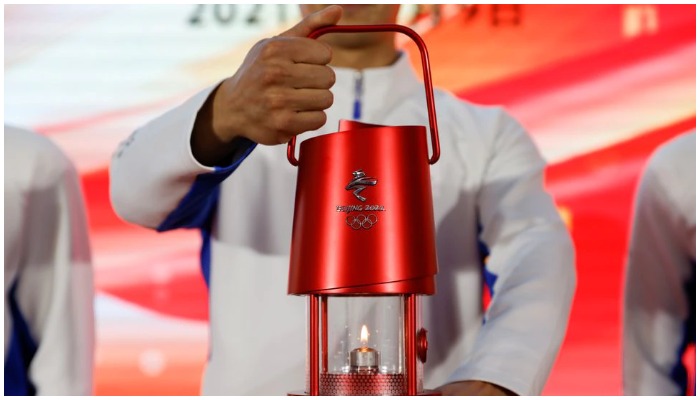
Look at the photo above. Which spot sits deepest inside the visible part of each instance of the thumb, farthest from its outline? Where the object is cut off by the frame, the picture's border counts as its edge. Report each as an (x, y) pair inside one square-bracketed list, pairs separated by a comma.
[(328, 16)]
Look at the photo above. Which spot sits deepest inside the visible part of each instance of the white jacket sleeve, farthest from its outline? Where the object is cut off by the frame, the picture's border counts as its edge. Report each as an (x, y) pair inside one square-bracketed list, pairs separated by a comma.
[(659, 313), (530, 269), (155, 181), (52, 296)]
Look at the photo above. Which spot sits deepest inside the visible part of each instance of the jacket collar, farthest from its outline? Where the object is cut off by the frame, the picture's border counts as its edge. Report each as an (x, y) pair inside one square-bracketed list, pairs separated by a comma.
[(382, 90)]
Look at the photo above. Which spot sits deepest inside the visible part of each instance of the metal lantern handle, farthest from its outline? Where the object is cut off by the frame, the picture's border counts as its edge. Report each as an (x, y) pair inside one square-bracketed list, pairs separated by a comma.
[(291, 146)]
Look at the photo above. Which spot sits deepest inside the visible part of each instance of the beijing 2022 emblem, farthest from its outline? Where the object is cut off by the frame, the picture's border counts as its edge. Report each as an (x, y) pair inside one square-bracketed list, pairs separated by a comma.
[(360, 216)]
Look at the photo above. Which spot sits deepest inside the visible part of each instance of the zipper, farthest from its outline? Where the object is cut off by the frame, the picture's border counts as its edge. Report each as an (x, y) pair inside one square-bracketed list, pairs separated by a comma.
[(357, 105)]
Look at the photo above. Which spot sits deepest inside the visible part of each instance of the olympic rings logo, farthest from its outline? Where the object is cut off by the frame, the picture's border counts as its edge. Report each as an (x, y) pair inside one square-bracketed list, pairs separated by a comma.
[(361, 221)]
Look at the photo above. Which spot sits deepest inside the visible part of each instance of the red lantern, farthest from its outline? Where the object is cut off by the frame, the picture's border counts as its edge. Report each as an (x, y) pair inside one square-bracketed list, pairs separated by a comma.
[(363, 249)]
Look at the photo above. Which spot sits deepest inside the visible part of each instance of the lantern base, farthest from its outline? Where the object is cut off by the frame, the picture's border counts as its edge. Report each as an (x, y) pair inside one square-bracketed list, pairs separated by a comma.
[(362, 384), (423, 393)]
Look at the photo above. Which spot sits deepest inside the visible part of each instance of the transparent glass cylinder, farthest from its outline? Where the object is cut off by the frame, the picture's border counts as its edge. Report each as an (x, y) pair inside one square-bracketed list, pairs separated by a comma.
[(361, 346), (381, 319)]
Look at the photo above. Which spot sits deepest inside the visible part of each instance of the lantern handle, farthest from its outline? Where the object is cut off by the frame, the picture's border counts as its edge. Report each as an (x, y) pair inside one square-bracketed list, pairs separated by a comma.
[(291, 146)]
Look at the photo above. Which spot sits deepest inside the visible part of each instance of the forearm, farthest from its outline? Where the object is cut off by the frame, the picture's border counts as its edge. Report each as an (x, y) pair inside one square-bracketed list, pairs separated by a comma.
[(154, 171), (531, 269), (526, 321), (210, 147)]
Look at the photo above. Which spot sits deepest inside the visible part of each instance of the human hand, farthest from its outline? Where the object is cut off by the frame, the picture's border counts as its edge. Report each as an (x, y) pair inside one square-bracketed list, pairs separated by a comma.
[(474, 388), (279, 91)]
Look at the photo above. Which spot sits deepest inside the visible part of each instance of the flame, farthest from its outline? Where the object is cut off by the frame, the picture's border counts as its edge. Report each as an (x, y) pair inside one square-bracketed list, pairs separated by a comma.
[(364, 335)]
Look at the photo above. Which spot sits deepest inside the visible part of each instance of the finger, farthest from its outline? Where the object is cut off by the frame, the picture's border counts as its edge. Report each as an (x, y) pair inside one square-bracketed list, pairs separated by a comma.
[(299, 50), (308, 76), (310, 100), (306, 121), (328, 16), (310, 51)]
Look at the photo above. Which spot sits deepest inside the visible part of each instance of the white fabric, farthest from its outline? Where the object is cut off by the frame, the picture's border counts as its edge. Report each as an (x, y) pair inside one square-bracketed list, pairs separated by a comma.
[(47, 254), (661, 262), (489, 173)]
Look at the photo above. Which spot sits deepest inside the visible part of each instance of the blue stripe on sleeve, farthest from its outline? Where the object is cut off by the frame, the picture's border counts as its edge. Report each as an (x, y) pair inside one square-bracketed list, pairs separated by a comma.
[(490, 279), (20, 353), (198, 204), (484, 251), (205, 254)]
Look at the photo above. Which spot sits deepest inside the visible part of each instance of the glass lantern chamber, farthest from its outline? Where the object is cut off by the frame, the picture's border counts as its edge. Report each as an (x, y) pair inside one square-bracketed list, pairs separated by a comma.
[(362, 346)]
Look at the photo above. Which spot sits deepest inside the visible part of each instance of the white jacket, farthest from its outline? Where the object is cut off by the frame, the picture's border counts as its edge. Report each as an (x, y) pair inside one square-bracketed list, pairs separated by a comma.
[(487, 189), (659, 317), (49, 332)]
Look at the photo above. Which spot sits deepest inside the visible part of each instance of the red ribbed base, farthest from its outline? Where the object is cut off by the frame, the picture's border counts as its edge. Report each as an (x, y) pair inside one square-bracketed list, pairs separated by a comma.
[(362, 385)]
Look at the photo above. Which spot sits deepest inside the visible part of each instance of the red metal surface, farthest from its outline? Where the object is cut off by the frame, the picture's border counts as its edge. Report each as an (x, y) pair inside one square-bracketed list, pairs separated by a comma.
[(410, 334), (422, 345), (427, 78), (408, 286), (313, 346), (363, 385), (423, 393), (324, 334), (331, 255)]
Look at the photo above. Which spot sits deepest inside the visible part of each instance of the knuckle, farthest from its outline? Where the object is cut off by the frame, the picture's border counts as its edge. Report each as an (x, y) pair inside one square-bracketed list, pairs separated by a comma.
[(274, 100), (271, 48), (271, 74), (325, 52), (258, 46), (282, 123)]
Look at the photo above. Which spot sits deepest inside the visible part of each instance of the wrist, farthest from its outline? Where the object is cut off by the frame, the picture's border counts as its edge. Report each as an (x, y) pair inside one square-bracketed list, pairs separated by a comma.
[(211, 145)]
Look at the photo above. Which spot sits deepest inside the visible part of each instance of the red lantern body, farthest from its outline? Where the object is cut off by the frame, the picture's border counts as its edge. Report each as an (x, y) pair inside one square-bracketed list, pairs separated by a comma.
[(363, 250)]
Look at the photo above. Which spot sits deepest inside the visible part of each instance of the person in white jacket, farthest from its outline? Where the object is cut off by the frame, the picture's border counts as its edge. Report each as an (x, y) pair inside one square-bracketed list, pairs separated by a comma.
[(659, 303), (49, 321), (199, 165)]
